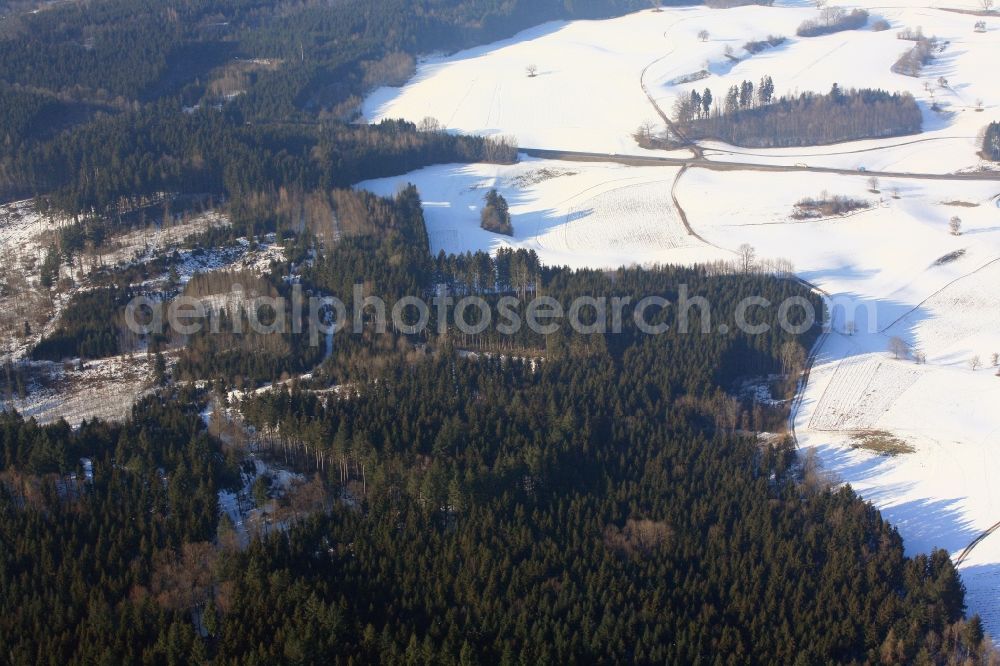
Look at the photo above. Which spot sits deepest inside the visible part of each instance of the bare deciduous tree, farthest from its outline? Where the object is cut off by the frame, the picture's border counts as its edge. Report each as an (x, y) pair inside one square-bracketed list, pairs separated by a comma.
[(793, 358), (873, 185), (987, 5), (531, 70), (898, 347), (975, 363), (644, 135), (995, 360), (684, 110), (955, 225), (747, 256), (703, 35), (429, 124)]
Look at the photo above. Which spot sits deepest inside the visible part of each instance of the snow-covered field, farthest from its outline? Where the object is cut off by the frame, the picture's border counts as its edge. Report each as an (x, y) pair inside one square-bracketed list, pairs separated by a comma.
[(572, 214), (590, 91), (894, 269)]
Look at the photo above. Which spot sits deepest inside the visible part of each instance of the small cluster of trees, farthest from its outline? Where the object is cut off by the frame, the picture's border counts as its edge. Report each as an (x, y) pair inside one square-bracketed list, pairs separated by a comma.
[(756, 46), (991, 142), (916, 58), (911, 35), (738, 98), (495, 215), (827, 206), (754, 118), (833, 19)]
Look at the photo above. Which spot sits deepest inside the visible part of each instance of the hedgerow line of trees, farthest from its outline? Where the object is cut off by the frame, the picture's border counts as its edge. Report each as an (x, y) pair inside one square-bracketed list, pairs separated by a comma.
[(917, 57), (833, 19), (746, 117)]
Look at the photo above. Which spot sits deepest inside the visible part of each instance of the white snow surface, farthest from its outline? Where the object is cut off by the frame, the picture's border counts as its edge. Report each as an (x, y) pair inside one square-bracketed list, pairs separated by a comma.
[(589, 92), (571, 214)]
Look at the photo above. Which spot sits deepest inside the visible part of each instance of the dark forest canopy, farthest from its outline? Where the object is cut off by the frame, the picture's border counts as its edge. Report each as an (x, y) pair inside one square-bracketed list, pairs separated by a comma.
[(510, 512), (300, 71), (750, 117)]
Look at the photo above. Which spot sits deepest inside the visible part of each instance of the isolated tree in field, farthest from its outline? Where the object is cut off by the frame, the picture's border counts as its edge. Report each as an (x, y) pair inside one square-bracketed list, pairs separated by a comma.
[(995, 360), (703, 35), (873, 185), (747, 256), (920, 357), (495, 215), (975, 363), (531, 70), (955, 225), (644, 135), (898, 347), (987, 5)]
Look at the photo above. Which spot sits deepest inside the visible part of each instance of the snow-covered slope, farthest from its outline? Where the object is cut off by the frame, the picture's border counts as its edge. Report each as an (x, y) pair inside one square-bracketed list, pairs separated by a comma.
[(589, 92), (572, 214)]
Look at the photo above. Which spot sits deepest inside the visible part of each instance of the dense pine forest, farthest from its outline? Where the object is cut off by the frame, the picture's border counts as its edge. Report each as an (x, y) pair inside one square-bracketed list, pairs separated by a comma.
[(608, 504), (591, 498), (754, 118)]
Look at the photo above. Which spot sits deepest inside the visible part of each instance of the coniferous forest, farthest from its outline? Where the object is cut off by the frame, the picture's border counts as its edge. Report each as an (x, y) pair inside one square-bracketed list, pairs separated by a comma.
[(754, 118), (439, 497)]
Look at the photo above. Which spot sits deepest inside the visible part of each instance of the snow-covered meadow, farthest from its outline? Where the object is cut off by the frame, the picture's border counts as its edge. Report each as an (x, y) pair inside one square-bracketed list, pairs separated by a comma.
[(590, 92), (570, 213), (894, 267)]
